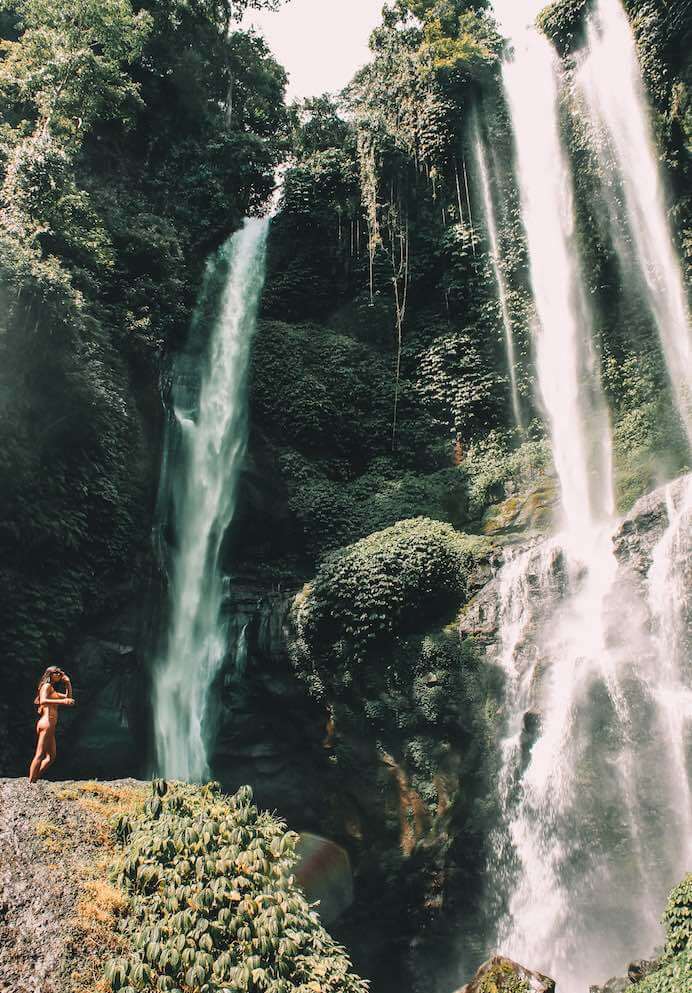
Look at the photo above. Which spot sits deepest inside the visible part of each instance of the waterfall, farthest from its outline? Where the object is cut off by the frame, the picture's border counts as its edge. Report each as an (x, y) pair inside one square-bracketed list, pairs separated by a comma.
[(669, 586), (617, 105), (491, 226), (568, 379), (576, 862), (212, 428)]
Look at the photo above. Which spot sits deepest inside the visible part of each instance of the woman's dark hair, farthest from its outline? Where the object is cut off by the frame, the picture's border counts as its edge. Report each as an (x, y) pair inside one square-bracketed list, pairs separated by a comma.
[(45, 678)]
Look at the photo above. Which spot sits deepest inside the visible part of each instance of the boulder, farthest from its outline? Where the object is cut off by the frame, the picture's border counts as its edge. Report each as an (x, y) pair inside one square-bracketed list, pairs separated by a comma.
[(502, 975), (644, 525), (636, 971)]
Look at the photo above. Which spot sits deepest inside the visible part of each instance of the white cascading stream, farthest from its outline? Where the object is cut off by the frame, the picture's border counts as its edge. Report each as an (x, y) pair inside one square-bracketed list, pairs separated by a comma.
[(669, 586), (500, 282), (576, 870), (213, 434), (610, 81), (568, 378)]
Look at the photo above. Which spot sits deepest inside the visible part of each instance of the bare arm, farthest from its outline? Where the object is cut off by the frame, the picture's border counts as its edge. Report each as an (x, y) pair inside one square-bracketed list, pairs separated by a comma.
[(54, 699)]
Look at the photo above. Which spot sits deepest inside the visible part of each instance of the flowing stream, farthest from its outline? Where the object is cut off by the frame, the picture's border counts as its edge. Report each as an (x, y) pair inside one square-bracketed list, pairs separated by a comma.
[(501, 283), (211, 429), (589, 837), (617, 106)]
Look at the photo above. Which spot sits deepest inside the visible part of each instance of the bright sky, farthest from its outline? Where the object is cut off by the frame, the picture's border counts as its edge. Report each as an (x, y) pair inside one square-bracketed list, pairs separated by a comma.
[(321, 43)]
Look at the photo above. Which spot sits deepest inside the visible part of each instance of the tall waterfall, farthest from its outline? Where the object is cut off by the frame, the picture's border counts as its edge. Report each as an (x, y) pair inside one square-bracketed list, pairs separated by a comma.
[(500, 282), (578, 868), (212, 428), (617, 104), (567, 372)]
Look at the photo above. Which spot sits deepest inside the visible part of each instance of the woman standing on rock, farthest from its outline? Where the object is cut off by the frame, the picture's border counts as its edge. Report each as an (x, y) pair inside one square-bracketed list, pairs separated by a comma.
[(48, 699)]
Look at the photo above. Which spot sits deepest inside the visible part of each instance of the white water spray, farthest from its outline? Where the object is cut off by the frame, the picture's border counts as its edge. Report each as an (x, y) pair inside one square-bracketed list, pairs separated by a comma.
[(500, 281), (610, 81), (670, 682), (568, 785), (213, 441), (567, 371)]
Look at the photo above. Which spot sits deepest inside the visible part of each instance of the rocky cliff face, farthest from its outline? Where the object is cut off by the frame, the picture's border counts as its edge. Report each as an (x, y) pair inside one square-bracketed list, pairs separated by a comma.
[(634, 540)]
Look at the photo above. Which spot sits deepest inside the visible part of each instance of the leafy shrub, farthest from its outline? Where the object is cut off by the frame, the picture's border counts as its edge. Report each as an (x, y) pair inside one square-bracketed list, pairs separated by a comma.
[(563, 23), (458, 385), (393, 580), (677, 918), (675, 972), (333, 513), (493, 465), (213, 904), (320, 391)]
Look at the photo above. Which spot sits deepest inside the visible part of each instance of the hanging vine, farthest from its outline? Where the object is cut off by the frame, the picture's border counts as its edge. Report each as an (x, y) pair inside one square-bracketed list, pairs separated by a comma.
[(368, 172)]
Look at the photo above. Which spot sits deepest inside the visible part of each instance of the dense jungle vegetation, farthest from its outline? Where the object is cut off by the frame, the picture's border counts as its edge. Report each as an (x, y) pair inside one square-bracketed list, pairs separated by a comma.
[(385, 467), (127, 157)]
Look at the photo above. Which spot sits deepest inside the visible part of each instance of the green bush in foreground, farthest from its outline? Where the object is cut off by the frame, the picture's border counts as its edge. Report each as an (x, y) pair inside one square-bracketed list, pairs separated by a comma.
[(214, 907), (675, 972)]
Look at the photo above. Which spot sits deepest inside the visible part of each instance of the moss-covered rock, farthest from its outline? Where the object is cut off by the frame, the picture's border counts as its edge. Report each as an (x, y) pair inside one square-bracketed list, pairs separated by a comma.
[(393, 581), (563, 22), (502, 975)]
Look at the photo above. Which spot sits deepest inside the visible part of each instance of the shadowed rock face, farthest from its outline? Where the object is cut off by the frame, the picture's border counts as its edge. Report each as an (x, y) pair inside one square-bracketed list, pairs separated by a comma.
[(502, 975), (266, 729)]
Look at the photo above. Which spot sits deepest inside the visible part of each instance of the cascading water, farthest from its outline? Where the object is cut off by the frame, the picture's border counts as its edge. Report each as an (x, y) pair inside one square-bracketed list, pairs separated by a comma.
[(500, 282), (578, 868), (616, 103), (567, 373), (669, 587), (212, 432)]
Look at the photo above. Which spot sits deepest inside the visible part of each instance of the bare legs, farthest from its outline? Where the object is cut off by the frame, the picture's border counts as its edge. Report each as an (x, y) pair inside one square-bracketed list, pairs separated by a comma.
[(45, 754)]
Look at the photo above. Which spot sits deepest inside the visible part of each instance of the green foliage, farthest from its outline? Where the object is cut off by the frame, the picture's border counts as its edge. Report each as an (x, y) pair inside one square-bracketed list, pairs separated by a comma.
[(69, 63), (677, 918), (314, 241), (67, 70), (320, 391), (213, 903), (458, 386), (495, 467), (394, 580), (563, 23), (674, 974), (461, 43), (648, 440), (334, 512)]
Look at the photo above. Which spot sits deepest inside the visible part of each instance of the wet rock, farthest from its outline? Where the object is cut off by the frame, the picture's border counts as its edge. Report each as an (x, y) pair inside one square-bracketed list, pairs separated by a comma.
[(103, 736), (266, 728), (617, 984), (642, 528), (502, 975), (525, 513), (636, 971)]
